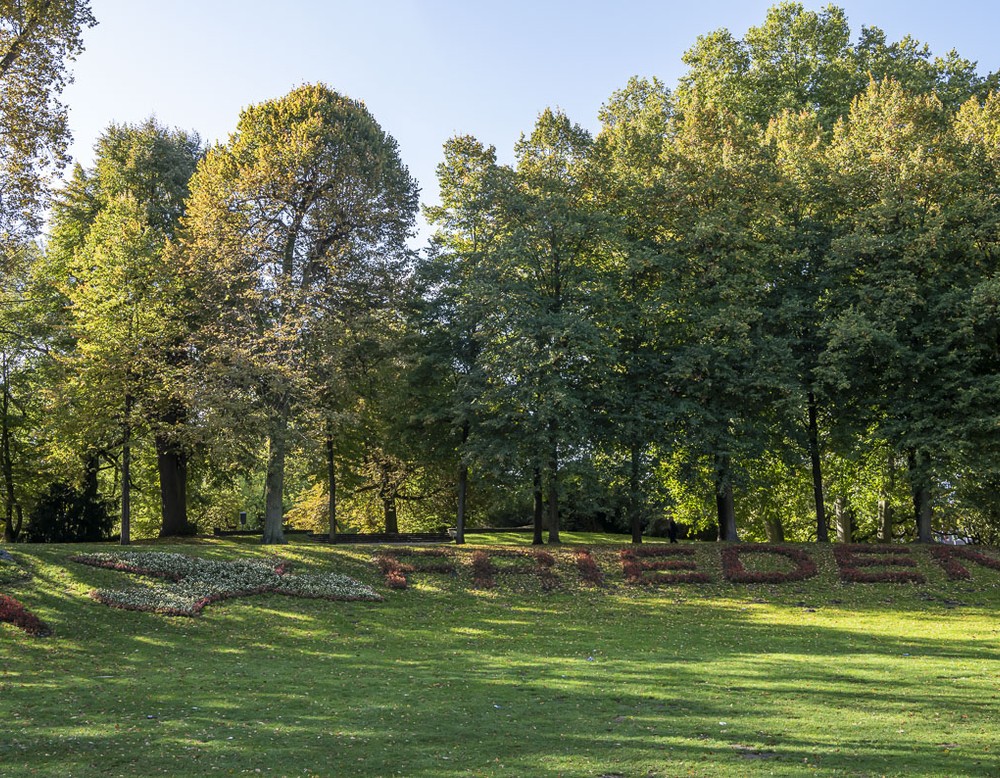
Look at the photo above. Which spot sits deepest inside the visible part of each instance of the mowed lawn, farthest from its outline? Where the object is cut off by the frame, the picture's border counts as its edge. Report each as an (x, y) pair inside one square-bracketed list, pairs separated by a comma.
[(815, 677)]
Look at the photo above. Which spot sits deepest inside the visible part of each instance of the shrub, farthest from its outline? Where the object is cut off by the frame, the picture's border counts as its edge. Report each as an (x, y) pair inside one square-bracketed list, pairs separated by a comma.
[(66, 515)]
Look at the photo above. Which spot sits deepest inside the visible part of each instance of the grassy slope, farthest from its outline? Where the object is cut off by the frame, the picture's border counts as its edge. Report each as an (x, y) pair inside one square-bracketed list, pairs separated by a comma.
[(817, 677)]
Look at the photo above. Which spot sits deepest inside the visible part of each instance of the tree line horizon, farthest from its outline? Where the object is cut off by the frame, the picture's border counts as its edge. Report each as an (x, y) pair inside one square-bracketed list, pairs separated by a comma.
[(764, 303)]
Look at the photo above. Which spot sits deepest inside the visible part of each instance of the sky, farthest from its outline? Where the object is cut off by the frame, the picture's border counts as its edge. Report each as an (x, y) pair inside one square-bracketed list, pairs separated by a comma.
[(429, 69)]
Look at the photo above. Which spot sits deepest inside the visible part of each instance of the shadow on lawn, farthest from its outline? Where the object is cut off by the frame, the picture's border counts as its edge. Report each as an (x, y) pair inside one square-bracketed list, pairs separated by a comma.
[(516, 688)]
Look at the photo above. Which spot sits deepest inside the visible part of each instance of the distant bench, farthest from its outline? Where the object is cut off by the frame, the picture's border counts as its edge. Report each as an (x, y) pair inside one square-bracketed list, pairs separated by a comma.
[(385, 537), (227, 533)]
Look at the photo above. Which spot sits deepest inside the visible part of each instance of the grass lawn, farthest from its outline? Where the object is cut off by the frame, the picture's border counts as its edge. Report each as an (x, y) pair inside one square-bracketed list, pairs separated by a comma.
[(441, 679)]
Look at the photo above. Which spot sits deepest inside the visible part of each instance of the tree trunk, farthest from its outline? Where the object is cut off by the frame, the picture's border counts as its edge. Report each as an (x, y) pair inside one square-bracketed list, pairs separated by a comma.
[(537, 539), (635, 514), (91, 467), (822, 533), (274, 488), (389, 511), (774, 528), (553, 492), (920, 487), (171, 462), (463, 489), (844, 516), (331, 483), (126, 536), (724, 502), (10, 532), (885, 512)]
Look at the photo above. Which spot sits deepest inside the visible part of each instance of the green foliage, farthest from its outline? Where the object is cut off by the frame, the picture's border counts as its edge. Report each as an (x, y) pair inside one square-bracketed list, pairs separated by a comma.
[(296, 242), (64, 514), (37, 40)]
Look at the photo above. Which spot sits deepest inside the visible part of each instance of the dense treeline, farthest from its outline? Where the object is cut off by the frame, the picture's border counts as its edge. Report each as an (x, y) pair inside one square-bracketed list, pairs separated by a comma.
[(764, 303)]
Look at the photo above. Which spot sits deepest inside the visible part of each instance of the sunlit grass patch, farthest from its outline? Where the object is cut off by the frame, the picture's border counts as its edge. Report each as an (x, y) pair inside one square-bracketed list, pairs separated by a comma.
[(809, 677)]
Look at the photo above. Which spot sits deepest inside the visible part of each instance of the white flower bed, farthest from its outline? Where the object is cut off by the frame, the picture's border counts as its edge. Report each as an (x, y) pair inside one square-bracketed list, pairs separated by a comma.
[(194, 583)]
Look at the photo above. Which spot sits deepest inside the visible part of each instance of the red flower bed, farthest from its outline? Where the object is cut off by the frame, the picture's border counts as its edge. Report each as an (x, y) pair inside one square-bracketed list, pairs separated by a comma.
[(639, 569), (484, 572), (589, 572), (395, 569), (955, 570), (734, 570), (13, 612), (852, 556)]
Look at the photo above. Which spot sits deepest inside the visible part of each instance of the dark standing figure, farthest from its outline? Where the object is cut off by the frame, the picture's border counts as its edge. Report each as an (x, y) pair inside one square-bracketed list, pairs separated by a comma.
[(672, 530)]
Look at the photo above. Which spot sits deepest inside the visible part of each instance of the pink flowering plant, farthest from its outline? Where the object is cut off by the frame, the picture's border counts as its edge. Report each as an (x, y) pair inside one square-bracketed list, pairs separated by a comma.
[(193, 583)]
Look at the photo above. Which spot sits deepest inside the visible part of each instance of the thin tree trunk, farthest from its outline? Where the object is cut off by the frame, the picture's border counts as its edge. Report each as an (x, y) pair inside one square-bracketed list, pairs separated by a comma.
[(553, 492), (844, 516), (822, 533), (275, 482), (537, 539), (10, 533), (920, 488), (635, 514), (885, 512), (126, 536), (463, 490), (331, 482), (724, 502)]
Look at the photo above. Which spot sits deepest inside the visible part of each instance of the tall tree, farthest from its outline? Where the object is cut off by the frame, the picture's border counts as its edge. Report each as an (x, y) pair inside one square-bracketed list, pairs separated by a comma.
[(125, 212), (722, 257), (637, 313), (454, 300), (909, 258), (301, 217), (542, 353)]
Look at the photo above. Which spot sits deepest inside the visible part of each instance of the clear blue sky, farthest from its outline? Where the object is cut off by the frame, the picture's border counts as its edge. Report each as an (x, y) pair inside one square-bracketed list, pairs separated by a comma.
[(429, 69)]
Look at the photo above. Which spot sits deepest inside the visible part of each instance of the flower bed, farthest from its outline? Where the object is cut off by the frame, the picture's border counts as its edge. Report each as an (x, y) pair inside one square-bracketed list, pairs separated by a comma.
[(195, 583), (734, 570), (484, 572), (852, 556), (13, 612), (955, 570), (434, 560), (647, 565)]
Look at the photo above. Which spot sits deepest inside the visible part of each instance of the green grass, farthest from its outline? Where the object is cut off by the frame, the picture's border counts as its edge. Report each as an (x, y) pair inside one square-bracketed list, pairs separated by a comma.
[(809, 678)]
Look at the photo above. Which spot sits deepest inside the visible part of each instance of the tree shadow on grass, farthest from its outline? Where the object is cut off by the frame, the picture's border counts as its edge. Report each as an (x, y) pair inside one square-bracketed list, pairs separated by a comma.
[(427, 686)]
